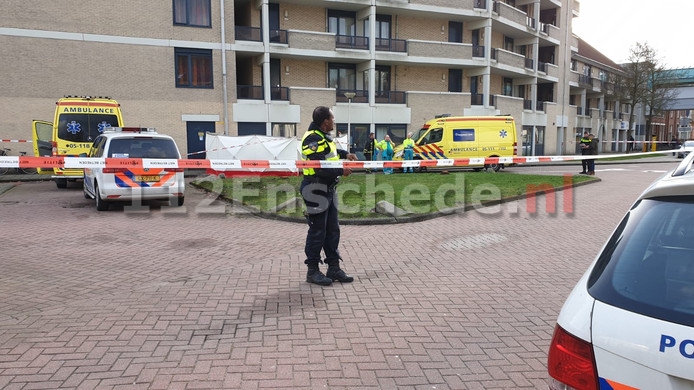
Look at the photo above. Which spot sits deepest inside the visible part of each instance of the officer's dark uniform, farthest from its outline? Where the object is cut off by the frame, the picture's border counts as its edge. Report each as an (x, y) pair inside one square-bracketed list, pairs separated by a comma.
[(585, 151), (318, 191)]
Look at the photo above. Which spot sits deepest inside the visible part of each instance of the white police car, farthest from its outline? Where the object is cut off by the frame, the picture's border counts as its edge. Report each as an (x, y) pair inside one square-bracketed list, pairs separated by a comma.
[(629, 322), (157, 177)]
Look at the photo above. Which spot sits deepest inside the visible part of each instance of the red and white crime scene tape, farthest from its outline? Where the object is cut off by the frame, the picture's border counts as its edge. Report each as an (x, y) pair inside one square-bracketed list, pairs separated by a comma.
[(276, 165)]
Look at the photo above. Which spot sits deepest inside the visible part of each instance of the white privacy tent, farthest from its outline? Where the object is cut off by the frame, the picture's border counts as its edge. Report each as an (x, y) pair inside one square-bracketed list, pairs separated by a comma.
[(253, 147)]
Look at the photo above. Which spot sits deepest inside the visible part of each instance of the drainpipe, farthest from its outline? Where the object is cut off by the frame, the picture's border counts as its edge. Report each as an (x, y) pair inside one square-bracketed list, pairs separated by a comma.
[(224, 70)]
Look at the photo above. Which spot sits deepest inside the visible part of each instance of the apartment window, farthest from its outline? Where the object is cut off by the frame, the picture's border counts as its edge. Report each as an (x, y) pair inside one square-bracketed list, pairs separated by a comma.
[(342, 22), (507, 88), (193, 68), (382, 80), (455, 80), (508, 44), (455, 32), (192, 13), (342, 77)]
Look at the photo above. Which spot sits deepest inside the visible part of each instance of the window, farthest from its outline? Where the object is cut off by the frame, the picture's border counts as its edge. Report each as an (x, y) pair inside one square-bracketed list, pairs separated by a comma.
[(192, 13), (455, 80), (507, 87), (382, 80), (508, 44), (342, 77), (455, 32), (193, 68), (463, 135), (342, 22)]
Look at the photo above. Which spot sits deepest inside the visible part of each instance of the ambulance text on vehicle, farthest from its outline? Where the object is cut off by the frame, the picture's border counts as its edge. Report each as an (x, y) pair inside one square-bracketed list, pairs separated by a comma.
[(77, 122), (450, 137)]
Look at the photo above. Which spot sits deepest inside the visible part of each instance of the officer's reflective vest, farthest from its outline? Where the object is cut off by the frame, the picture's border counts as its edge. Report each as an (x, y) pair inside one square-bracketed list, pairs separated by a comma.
[(321, 147), (408, 143)]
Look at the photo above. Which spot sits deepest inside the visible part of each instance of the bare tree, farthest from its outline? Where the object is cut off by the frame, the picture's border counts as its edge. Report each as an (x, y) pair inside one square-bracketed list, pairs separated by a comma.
[(645, 81)]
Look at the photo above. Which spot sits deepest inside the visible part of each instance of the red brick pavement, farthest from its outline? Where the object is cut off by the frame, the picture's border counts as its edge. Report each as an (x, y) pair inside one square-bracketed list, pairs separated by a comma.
[(158, 300)]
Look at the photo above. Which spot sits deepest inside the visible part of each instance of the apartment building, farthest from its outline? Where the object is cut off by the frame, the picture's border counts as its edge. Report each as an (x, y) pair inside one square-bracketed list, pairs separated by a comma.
[(242, 67)]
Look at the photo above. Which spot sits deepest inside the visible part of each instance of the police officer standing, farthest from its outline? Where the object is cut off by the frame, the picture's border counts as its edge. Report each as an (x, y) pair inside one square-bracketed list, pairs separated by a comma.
[(320, 196), (585, 144)]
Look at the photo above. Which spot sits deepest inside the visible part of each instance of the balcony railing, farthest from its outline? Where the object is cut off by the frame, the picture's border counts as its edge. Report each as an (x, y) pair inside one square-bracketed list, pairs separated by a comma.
[(247, 33), (478, 51), (529, 63), (480, 4), (527, 104), (394, 45), (279, 93), (352, 42), (391, 97), (583, 79), (542, 67), (361, 95), (476, 99), (540, 106), (254, 92), (279, 36), (530, 22)]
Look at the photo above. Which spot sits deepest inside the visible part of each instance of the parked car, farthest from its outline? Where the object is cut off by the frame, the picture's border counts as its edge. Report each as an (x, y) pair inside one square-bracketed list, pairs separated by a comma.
[(686, 147), (629, 321), (136, 182)]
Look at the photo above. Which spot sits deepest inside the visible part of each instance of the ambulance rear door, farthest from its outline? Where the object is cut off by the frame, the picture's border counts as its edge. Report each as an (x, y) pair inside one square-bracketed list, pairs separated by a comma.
[(42, 137)]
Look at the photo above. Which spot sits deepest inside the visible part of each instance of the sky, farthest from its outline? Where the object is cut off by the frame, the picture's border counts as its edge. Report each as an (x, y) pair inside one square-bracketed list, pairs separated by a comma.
[(614, 26)]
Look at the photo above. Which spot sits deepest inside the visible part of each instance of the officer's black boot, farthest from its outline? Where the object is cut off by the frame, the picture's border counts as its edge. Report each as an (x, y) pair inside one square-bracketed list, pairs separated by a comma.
[(335, 273), (316, 277)]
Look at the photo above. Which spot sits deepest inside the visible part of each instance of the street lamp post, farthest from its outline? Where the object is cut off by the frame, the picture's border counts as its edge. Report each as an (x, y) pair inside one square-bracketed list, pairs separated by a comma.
[(349, 96)]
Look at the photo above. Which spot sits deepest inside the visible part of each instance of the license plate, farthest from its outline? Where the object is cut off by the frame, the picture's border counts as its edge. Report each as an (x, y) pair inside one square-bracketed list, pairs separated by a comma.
[(143, 178)]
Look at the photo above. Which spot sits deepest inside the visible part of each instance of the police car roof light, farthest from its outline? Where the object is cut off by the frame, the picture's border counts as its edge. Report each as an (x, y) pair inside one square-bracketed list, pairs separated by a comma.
[(135, 129)]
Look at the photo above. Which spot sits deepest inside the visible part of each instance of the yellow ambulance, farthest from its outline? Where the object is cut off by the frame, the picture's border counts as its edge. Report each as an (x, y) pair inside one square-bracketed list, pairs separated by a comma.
[(451, 137), (77, 122)]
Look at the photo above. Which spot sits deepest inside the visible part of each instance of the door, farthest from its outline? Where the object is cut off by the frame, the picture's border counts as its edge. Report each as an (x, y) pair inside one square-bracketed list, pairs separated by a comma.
[(42, 137), (196, 132)]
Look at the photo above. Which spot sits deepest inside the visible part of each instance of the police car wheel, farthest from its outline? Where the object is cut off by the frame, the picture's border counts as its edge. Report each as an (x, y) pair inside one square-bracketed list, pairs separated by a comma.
[(101, 205)]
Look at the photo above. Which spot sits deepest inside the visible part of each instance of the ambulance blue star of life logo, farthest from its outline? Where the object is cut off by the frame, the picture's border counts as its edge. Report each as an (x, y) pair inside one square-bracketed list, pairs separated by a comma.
[(103, 126), (73, 127), (503, 133)]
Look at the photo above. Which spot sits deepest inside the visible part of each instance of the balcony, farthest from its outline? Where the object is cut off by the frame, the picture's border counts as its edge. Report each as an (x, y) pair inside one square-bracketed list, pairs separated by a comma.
[(476, 99), (542, 67), (309, 40), (351, 42), (478, 51), (392, 45), (246, 33), (251, 92)]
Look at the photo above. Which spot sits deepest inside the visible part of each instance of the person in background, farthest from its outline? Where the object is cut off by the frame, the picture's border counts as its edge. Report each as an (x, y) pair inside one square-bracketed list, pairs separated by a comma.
[(630, 145), (371, 149), (592, 150), (320, 197), (387, 146), (408, 151), (585, 150)]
